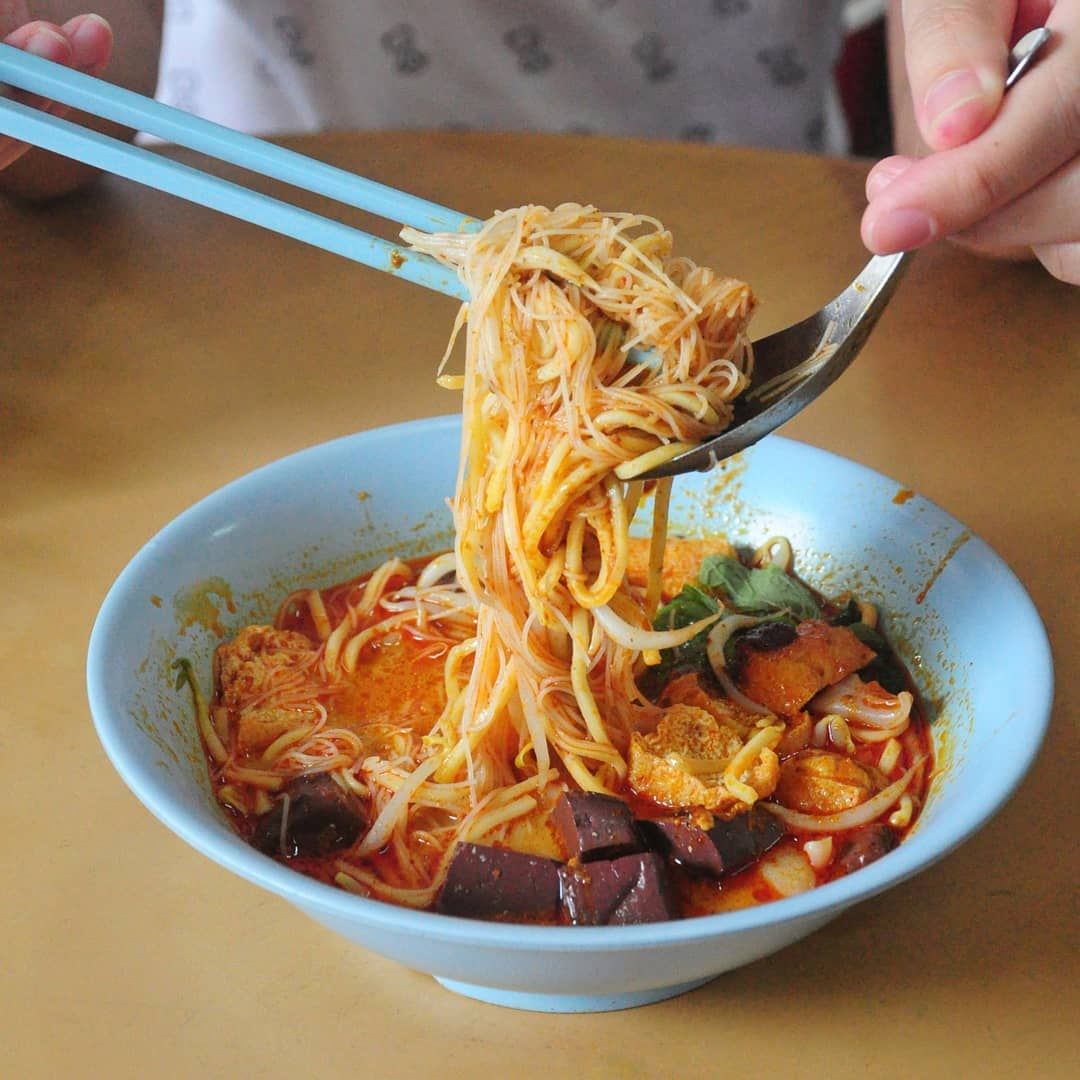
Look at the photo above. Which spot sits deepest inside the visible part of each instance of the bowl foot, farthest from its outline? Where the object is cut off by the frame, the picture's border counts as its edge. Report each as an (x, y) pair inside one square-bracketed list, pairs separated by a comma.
[(569, 1003)]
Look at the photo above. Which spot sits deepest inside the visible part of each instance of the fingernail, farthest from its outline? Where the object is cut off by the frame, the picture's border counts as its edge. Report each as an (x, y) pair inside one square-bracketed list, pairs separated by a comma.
[(882, 175), (48, 44), (88, 37), (956, 107), (901, 230)]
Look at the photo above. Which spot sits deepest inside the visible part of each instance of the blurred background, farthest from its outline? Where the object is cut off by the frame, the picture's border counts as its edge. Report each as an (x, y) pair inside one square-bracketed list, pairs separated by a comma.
[(281, 68)]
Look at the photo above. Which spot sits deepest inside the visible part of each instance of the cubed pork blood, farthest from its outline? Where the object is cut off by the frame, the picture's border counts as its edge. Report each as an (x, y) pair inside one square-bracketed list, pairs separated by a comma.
[(496, 883), (319, 817), (685, 844), (863, 846), (744, 839), (593, 826), (617, 892), (726, 848)]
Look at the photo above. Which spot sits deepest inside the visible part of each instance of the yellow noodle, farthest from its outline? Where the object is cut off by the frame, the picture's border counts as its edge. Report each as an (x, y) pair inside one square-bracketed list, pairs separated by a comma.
[(661, 503), (558, 298), (743, 761), (500, 815), (558, 416)]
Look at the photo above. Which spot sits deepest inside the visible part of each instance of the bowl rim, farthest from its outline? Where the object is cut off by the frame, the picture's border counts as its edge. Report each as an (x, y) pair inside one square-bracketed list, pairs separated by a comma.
[(917, 853)]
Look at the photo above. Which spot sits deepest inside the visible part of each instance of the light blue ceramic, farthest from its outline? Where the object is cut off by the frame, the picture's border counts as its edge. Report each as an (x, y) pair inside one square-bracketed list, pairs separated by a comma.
[(962, 621), (97, 97)]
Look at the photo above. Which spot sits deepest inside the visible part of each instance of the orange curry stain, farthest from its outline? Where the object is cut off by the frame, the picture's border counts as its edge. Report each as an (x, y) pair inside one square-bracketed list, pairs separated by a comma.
[(902, 496), (956, 545), (201, 603)]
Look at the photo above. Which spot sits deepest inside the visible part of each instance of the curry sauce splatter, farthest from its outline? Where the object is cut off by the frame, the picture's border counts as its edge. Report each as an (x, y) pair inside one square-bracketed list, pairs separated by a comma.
[(961, 539), (196, 605)]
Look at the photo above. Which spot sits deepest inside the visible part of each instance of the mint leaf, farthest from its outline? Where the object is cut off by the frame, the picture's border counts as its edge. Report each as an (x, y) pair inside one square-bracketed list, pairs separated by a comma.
[(688, 607), (758, 591)]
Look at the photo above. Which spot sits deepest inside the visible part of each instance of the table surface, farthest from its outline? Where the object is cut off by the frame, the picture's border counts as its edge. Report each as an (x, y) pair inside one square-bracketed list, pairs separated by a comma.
[(152, 351)]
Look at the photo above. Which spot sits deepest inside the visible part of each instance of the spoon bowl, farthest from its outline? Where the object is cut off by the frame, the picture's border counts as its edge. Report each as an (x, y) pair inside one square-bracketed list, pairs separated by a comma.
[(796, 364)]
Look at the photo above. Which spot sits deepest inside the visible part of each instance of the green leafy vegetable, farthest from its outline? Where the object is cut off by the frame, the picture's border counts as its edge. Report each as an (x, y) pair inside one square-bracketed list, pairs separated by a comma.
[(688, 607), (758, 591)]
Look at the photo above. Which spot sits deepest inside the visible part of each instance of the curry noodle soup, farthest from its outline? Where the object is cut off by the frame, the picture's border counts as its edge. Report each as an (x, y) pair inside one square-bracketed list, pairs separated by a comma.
[(555, 721)]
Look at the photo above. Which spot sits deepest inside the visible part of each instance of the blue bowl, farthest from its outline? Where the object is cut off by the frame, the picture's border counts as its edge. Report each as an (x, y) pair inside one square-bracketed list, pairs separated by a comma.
[(960, 619)]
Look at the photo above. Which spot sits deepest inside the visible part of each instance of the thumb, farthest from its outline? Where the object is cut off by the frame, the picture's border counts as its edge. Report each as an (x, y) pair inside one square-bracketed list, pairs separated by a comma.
[(956, 56)]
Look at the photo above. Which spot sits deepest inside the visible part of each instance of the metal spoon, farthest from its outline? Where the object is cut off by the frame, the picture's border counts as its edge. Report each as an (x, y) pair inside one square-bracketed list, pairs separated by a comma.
[(794, 365)]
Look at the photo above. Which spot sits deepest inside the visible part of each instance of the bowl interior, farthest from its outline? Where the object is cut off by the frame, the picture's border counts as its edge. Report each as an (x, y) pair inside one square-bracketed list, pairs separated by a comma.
[(961, 621)]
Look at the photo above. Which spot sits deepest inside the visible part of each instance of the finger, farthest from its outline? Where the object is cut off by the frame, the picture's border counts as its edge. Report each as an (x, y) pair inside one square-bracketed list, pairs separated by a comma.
[(1062, 260), (1036, 132), (1000, 253), (1030, 15), (41, 39), (1047, 214), (84, 42), (956, 55), (91, 40), (885, 172), (44, 39)]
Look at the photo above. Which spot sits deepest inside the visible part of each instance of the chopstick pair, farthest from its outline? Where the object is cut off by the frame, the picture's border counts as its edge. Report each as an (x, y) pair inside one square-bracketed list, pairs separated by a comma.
[(99, 98)]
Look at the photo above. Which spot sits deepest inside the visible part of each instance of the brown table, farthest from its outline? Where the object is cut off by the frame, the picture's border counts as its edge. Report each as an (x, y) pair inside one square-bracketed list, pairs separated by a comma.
[(151, 351)]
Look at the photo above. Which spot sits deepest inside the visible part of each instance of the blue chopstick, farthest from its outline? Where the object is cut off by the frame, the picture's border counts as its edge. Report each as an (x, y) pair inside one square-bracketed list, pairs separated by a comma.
[(154, 170), (99, 98)]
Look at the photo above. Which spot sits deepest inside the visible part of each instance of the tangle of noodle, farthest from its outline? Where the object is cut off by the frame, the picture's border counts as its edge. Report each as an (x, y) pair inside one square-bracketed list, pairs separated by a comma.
[(592, 352), (555, 409)]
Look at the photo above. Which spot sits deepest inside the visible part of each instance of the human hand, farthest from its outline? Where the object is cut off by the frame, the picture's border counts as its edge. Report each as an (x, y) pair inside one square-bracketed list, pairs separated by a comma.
[(83, 42), (1003, 177)]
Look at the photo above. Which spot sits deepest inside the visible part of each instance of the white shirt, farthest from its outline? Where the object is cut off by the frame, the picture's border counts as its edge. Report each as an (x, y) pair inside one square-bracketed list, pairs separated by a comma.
[(755, 72)]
